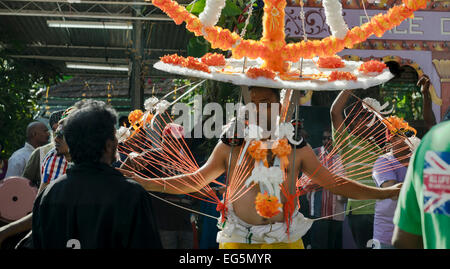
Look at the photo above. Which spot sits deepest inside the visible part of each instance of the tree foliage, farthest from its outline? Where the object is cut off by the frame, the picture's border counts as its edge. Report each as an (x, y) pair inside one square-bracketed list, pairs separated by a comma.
[(20, 81)]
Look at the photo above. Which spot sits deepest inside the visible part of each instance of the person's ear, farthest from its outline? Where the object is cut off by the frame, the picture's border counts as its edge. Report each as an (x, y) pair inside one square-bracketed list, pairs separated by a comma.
[(109, 145)]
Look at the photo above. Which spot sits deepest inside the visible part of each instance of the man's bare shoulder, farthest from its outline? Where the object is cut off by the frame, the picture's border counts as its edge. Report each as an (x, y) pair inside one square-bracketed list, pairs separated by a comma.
[(304, 153)]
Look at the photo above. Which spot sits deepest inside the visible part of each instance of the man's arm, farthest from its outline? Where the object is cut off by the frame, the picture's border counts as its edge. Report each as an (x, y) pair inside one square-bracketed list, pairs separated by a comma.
[(405, 240), (16, 227), (15, 167), (427, 110), (32, 168), (337, 109), (340, 185), (193, 182), (21, 225)]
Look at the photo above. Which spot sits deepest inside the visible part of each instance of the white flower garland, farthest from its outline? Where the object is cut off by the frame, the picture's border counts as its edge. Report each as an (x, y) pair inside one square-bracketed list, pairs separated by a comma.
[(122, 134), (211, 14), (150, 103), (333, 14)]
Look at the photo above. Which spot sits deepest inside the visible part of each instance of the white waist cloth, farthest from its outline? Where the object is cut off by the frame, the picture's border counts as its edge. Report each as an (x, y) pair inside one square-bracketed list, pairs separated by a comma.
[(235, 230)]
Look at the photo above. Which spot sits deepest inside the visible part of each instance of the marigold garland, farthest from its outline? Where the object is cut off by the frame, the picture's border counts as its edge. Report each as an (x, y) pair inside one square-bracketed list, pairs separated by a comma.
[(267, 206), (330, 62), (258, 153), (135, 116), (282, 149), (255, 72), (191, 62), (340, 75), (398, 125), (273, 43), (372, 66), (173, 59)]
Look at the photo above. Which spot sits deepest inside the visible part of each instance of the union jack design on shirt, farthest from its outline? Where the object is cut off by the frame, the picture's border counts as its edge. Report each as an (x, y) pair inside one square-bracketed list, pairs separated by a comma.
[(436, 180), (53, 167)]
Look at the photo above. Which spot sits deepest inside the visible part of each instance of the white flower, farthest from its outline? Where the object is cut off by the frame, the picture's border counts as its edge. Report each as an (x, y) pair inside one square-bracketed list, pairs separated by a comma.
[(150, 103), (122, 134), (211, 13), (162, 106), (373, 105), (269, 179), (413, 142), (333, 14), (287, 130)]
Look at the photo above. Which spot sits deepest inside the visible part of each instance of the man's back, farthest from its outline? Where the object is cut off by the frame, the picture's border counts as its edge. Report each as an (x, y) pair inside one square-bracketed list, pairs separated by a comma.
[(424, 203), (94, 206)]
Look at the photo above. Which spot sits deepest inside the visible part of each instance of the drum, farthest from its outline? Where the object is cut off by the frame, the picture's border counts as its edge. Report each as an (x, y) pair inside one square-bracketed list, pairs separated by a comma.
[(16, 198)]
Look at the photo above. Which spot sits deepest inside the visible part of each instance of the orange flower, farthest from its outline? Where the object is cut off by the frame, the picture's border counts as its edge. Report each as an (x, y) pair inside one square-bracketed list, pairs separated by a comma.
[(415, 4), (340, 75), (173, 59), (372, 66), (257, 152), (213, 59), (267, 206), (135, 116), (193, 63), (398, 125), (330, 62), (255, 72), (282, 149)]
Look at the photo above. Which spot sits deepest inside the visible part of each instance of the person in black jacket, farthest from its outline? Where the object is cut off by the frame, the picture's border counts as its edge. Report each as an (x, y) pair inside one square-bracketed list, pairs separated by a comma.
[(93, 205)]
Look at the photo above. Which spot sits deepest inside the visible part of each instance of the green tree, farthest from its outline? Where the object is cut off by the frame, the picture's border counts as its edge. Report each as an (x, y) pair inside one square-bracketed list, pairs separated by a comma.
[(20, 81)]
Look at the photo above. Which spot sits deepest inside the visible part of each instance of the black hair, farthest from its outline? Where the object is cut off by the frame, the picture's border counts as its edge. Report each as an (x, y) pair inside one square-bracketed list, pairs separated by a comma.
[(274, 90), (87, 129), (123, 121), (55, 117)]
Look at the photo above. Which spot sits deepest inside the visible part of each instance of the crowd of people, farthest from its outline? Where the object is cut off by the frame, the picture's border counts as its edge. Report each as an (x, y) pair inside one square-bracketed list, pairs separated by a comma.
[(84, 202)]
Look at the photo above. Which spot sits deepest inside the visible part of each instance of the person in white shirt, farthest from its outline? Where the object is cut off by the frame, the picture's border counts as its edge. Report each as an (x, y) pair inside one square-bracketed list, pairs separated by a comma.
[(37, 135)]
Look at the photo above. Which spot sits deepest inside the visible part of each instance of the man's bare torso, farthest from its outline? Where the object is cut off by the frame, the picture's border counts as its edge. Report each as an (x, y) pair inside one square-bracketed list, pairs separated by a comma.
[(244, 206)]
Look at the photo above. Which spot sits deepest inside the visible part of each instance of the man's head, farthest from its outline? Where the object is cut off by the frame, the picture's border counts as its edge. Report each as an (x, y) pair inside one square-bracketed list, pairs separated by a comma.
[(37, 134), (55, 117), (327, 139), (357, 119), (90, 133), (123, 121), (60, 143), (267, 97)]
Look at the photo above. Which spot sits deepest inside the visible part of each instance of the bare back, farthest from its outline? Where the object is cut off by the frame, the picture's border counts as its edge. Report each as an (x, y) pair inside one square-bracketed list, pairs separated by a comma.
[(244, 207)]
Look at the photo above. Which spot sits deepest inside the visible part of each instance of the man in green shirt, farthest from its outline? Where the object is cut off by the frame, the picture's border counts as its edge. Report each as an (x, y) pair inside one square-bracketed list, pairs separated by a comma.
[(422, 217), (358, 151)]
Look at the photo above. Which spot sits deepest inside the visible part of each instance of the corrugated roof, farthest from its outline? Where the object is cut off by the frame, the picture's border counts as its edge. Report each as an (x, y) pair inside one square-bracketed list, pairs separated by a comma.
[(59, 45)]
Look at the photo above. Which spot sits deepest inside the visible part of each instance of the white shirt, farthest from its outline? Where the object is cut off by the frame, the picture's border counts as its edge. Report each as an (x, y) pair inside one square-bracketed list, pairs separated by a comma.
[(18, 161)]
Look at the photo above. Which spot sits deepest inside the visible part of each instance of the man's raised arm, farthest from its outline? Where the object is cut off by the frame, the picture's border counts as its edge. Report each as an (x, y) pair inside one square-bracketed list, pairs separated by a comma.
[(192, 182), (340, 185), (337, 109)]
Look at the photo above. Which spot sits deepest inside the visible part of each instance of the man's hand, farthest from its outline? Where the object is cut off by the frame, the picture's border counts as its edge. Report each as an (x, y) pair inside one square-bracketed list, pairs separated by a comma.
[(395, 191), (424, 84), (134, 162)]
